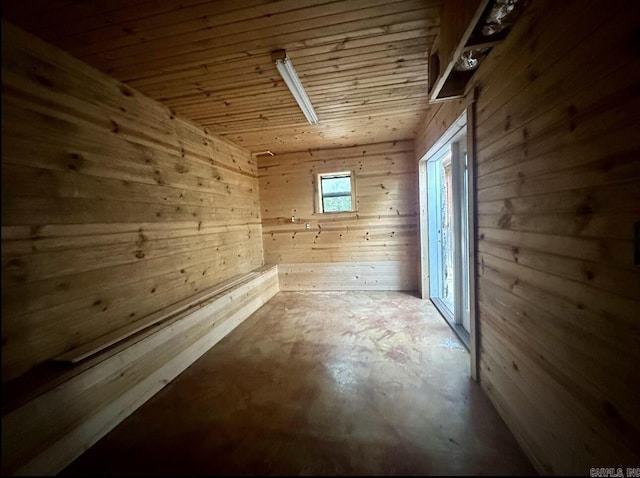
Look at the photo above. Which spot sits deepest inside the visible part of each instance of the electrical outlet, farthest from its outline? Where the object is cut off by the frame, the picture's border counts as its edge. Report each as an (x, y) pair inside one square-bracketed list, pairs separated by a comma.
[(308, 226)]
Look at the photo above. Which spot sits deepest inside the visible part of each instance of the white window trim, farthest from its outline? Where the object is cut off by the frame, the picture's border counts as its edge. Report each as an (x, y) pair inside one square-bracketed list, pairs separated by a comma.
[(318, 192)]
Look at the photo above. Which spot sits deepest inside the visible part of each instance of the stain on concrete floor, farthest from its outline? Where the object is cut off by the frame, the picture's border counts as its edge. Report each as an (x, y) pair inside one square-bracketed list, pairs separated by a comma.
[(320, 383)]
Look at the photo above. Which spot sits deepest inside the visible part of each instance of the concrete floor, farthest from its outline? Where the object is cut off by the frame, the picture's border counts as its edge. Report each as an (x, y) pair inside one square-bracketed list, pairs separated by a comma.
[(320, 383)]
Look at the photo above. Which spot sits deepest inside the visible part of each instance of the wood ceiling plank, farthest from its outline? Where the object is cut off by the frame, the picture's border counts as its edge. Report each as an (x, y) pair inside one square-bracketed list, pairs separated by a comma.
[(248, 124), (271, 23), (355, 65), (51, 21), (363, 103), (333, 43), (269, 75), (334, 101), (167, 58), (410, 69), (392, 68), (337, 99), (388, 115), (202, 22), (363, 62), (257, 71), (79, 18), (286, 107), (254, 122), (296, 139), (395, 44), (417, 26), (336, 135), (255, 91), (302, 157)]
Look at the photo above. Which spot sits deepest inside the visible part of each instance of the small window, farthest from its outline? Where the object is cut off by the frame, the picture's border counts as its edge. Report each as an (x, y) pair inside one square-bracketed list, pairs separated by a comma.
[(336, 192)]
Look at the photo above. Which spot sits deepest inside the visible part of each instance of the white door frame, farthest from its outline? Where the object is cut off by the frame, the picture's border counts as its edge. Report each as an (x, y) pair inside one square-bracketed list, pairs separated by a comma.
[(465, 119)]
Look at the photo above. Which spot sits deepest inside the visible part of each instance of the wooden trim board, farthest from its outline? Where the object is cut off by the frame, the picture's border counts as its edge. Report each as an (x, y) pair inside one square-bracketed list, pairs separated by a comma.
[(200, 300), (47, 433), (363, 275)]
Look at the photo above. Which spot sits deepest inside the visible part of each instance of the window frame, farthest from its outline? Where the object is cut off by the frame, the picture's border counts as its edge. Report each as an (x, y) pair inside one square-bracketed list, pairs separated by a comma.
[(319, 204)]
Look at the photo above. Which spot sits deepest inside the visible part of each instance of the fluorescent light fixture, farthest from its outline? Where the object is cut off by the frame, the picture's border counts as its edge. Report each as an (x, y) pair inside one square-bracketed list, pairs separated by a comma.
[(290, 77)]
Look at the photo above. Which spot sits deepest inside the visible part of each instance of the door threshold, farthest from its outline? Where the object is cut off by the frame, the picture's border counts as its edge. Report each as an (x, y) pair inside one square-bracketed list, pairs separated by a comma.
[(458, 329), (462, 334)]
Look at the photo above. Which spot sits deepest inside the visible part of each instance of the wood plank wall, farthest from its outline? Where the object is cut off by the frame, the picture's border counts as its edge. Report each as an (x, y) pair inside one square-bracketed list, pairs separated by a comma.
[(558, 175), (45, 434), (112, 206), (375, 248)]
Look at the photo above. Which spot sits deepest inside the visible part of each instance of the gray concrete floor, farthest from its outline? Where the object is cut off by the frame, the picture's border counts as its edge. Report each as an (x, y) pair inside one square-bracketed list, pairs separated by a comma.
[(320, 383)]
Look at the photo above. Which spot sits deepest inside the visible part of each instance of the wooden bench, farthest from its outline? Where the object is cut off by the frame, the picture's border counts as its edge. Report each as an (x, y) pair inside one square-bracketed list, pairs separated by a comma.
[(94, 387)]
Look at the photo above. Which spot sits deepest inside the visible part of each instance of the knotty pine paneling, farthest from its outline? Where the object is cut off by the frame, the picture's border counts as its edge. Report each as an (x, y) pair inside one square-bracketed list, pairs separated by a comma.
[(558, 172), (374, 248), (112, 206), (362, 62)]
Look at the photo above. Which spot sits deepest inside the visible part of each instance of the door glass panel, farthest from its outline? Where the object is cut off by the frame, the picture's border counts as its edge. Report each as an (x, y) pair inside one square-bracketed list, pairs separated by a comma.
[(447, 211), (464, 243), (446, 221)]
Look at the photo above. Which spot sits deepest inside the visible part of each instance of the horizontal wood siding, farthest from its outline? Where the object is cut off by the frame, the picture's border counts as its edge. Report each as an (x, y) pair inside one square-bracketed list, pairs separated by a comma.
[(373, 248), (112, 206), (558, 175)]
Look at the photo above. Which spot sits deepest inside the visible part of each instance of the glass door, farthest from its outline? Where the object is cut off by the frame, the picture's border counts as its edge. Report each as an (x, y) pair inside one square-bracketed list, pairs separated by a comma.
[(441, 232), (448, 234)]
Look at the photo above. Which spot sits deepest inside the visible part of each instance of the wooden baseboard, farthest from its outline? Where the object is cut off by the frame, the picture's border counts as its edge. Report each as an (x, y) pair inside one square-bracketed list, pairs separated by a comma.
[(47, 433), (377, 275)]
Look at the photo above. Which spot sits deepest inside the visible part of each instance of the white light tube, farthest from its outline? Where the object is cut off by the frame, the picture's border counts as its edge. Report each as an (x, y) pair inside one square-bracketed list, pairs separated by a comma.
[(290, 77)]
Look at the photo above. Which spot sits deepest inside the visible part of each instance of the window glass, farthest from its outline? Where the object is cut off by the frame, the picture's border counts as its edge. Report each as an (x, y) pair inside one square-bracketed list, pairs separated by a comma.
[(337, 204), (336, 193)]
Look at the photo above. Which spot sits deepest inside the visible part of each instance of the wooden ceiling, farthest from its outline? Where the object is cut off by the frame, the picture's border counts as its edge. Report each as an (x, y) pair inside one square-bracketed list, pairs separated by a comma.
[(362, 62)]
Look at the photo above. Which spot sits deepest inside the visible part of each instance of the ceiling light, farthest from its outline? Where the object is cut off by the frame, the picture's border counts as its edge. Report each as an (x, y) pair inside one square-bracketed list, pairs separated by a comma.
[(290, 77)]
